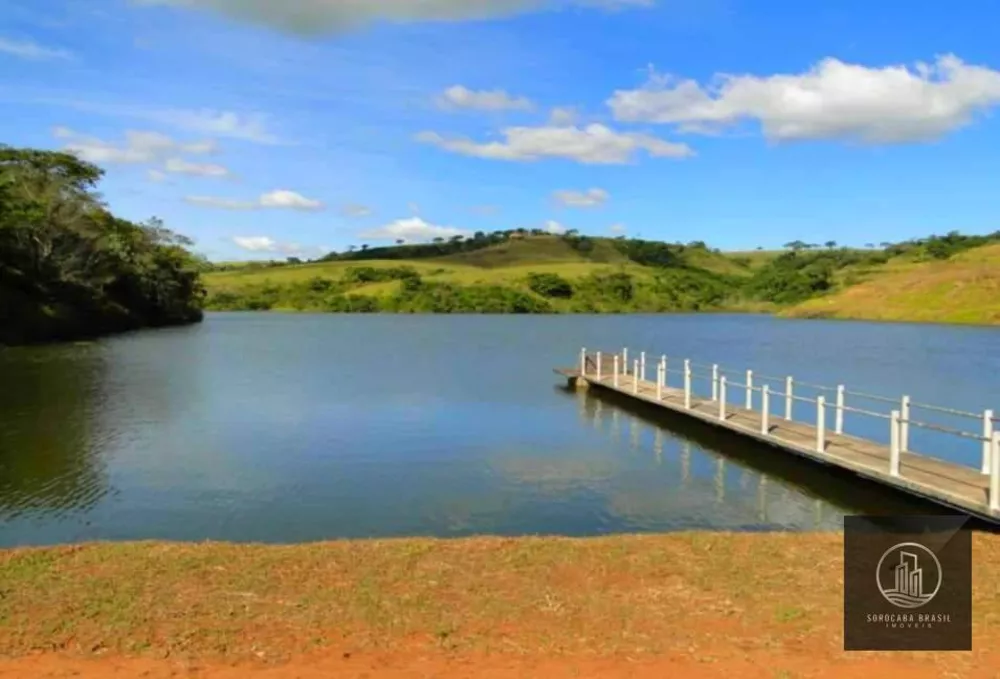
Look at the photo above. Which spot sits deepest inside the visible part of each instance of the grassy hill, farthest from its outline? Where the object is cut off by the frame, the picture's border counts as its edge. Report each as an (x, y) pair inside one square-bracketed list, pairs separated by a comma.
[(949, 278), (962, 289)]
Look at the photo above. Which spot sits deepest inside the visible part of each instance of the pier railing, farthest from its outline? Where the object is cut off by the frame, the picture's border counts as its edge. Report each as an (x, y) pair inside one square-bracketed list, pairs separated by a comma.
[(624, 372)]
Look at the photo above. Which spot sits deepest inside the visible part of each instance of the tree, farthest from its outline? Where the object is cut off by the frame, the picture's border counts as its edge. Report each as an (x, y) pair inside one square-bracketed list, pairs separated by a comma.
[(364, 247), (351, 248), (400, 241), (438, 239), (796, 245), (831, 244), (457, 239), (69, 268), (293, 260)]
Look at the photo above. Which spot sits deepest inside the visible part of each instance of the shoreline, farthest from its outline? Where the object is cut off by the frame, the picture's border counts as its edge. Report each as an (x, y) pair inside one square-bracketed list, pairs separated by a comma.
[(777, 314), (714, 601)]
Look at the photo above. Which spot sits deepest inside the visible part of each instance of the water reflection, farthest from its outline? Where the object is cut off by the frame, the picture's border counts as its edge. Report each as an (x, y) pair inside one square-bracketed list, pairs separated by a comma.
[(706, 478), (49, 462)]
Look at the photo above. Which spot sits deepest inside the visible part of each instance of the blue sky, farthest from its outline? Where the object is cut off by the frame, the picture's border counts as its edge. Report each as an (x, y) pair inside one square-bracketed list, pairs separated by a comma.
[(266, 129)]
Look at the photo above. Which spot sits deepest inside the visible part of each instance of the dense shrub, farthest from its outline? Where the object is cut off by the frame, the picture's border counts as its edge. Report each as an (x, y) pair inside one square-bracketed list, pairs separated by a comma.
[(550, 285)]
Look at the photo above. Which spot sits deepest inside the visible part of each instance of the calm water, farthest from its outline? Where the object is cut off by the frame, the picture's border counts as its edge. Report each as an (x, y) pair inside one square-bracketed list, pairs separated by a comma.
[(257, 427)]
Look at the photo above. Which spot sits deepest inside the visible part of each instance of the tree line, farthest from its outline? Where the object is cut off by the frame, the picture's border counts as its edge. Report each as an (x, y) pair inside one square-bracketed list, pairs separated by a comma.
[(71, 269)]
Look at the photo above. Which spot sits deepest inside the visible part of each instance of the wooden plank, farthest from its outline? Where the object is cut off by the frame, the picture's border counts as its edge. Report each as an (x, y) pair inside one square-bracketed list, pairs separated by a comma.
[(947, 483)]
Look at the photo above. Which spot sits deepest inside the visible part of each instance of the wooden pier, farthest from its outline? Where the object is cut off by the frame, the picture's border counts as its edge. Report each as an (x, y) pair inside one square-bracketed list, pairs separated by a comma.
[(974, 491)]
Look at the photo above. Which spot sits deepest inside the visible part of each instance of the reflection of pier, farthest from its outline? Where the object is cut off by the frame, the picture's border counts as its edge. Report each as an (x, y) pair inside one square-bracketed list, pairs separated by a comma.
[(755, 495), (973, 491)]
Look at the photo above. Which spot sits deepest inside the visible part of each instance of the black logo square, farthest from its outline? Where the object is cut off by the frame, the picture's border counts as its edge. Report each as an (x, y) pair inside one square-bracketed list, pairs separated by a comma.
[(907, 583)]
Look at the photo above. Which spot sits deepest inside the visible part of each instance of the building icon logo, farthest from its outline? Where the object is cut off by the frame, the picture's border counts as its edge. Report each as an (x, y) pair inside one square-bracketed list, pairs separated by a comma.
[(908, 575)]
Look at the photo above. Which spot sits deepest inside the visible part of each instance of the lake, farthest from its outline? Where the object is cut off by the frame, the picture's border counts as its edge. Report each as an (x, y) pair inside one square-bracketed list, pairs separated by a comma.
[(288, 428)]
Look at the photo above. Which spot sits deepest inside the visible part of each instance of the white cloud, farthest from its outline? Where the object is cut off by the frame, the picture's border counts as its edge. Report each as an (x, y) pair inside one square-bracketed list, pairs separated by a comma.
[(413, 228), (137, 147), (266, 244), (833, 100), (289, 199), (618, 228), (280, 199), (156, 176), (32, 51), (355, 210), (459, 97), (562, 116), (247, 127), (555, 227), (593, 145), (181, 166), (320, 16), (414, 208), (582, 199)]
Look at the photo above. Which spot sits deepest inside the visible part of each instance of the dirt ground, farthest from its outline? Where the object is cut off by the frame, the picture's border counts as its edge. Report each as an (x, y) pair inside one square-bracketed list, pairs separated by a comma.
[(686, 605), (777, 664)]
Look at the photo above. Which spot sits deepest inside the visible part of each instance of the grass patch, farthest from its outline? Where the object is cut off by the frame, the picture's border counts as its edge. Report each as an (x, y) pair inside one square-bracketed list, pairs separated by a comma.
[(963, 289)]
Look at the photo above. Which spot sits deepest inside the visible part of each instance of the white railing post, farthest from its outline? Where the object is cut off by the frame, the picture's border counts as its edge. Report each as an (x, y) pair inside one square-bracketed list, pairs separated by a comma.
[(687, 383), (722, 398), (894, 443), (583, 362), (788, 398), (765, 410), (820, 423), (663, 367), (616, 372), (598, 366), (995, 473), (749, 389), (659, 382), (838, 426), (987, 440), (635, 376), (904, 428), (715, 382), (642, 366), (625, 358)]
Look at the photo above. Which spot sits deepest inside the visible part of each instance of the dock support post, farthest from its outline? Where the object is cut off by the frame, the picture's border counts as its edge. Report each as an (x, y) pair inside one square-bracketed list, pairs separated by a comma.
[(894, 435), (788, 398), (987, 440), (598, 366), (659, 383), (663, 367), (635, 376), (687, 383), (616, 372), (583, 362), (625, 359), (642, 366), (904, 422), (820, 424), (749, 389), (839, 422), (715, 382), (722, 398), (995, 473), (765, 410)]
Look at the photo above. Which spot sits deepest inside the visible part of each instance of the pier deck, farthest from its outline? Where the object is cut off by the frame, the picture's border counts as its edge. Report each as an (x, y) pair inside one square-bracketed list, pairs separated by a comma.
[(953, 485)]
